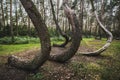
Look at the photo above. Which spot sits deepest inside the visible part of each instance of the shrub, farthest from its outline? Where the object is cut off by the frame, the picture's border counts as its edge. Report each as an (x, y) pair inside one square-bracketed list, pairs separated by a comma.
[(5, 40), (34, 40), (53, 32), (19, 40)]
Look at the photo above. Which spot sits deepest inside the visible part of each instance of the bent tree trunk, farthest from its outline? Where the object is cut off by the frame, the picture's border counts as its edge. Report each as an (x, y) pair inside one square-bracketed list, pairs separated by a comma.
[(99, 51), (42, 34), (58, 27), (76, 36)]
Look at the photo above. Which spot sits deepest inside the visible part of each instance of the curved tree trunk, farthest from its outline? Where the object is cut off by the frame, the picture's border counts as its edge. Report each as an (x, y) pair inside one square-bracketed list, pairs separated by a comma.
[(58, 27), (99, 51), (76, 36), (42, 34)]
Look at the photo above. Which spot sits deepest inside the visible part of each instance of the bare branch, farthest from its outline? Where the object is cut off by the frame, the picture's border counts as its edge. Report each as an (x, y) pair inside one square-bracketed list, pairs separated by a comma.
[(102, 49)]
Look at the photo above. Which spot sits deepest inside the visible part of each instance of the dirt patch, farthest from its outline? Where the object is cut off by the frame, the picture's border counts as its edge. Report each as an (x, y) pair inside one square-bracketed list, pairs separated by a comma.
[(50, 70), (10, 73)]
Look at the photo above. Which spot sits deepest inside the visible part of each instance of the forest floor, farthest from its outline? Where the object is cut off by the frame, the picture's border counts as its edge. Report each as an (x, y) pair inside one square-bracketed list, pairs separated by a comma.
[(103, 67)]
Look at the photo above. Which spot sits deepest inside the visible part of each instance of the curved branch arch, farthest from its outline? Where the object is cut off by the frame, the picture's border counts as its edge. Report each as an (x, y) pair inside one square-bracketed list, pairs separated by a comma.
[(103, 48), (76, 36), (59, 30), (43, 35)]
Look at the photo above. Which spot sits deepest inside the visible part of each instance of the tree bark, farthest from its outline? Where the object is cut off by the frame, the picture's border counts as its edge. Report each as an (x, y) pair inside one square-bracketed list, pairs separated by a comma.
[(43, 34), (102, 49), (29, 34), (11, 23), (76, 36), (42, 4), (58, 28), (6, 13), (2, 11), (81, 13), (16, 15)]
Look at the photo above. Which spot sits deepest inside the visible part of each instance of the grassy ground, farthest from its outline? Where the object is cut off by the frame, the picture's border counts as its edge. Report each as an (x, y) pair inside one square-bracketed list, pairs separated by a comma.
[(103, 67), (6, 49), (11, 49)]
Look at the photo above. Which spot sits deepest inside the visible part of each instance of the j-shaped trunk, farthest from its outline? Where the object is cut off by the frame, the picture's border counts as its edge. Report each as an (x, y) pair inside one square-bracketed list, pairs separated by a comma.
[(59, 30), (43, 35), (103, 48), (76, 36)]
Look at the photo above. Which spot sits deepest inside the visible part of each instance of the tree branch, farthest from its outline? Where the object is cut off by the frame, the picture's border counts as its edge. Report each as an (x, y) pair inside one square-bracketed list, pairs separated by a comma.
[(76, 36), (59, 30), (103, 48)]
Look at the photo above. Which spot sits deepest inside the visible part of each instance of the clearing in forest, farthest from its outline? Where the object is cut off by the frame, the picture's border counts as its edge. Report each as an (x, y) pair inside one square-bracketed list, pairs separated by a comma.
[(78, 68)]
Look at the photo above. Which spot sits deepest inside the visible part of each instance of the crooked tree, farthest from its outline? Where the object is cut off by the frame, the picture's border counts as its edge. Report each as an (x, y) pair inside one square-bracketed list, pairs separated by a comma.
[(110, 36), (76, 36), (43, 35), (58, 28)]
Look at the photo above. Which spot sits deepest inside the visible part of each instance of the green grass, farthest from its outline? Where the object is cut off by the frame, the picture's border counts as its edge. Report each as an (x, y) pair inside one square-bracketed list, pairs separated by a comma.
[(6, 49), (104, 67), (38, 76), (11, 49), (57, 40), (96, 43)]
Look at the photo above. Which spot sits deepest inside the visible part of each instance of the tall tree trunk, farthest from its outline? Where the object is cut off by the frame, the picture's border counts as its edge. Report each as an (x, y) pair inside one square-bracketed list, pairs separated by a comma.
[(99, 51), (99, 33), (76, 36), (3, 17), (43, 35), (28, 26), (16, 15), (11, 22), (42, 9), (101, 19), (58, 28), (81, 13), (96, 32), (6, 13), (57, 9)]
